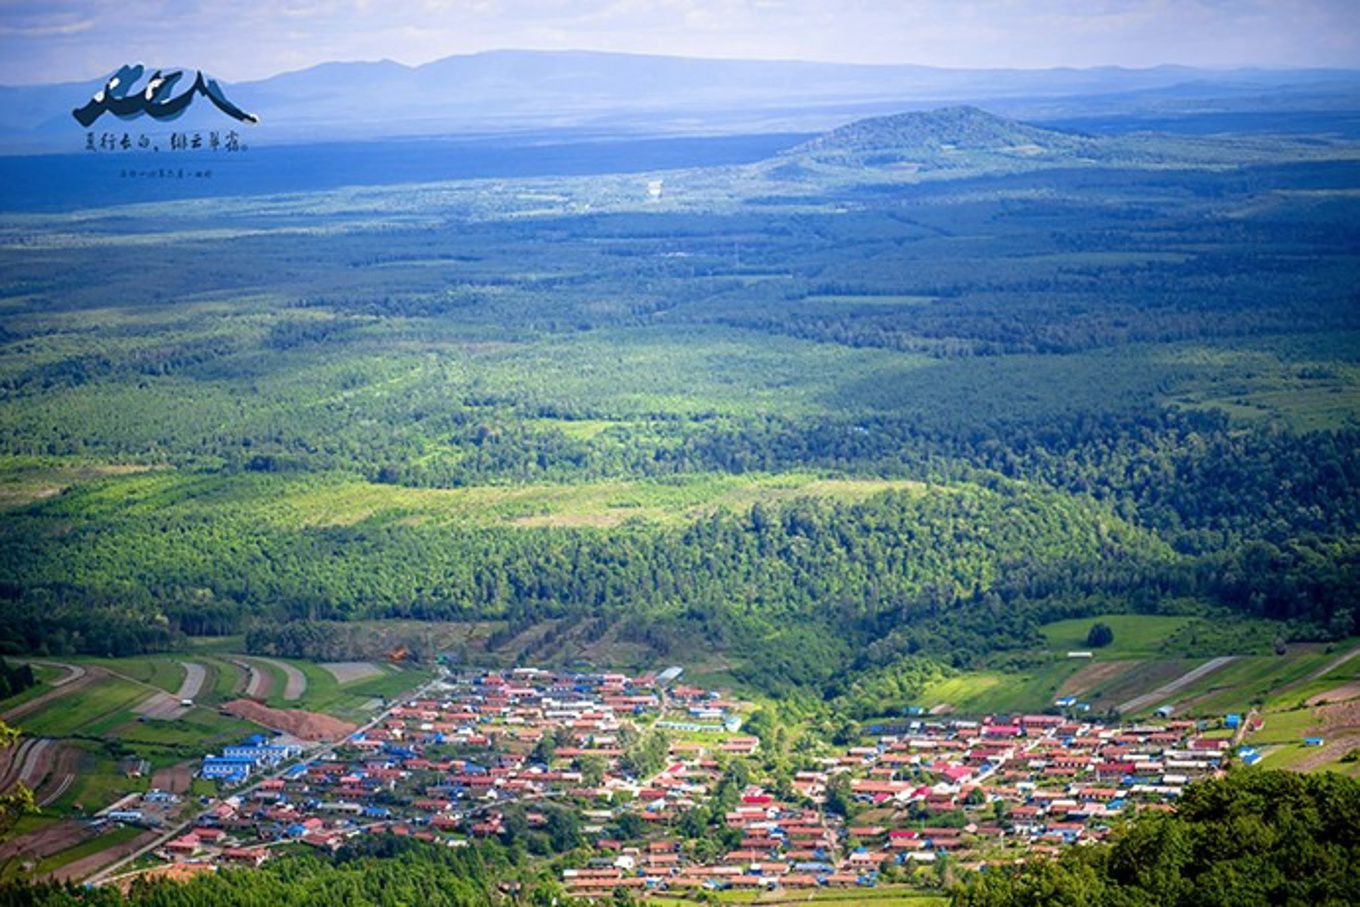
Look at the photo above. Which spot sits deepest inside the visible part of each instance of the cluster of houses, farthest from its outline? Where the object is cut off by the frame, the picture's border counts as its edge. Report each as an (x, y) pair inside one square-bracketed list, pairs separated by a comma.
[(927, 792), (909, 798), (148, 809), (237, 763)]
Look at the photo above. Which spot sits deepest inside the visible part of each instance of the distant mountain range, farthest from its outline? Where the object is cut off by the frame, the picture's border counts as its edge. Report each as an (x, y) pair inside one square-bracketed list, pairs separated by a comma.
[(606, 94)]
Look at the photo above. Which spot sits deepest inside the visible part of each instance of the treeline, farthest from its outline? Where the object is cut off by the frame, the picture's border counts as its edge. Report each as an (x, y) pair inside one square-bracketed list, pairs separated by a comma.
[(863, 567), (1250, 838), (15, 680), (65, 618), (370, 870), (1130, 510)]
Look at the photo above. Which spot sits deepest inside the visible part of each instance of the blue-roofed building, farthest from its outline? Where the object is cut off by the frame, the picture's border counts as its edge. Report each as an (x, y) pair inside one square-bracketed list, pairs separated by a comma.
[(263, 754), (226, 768)]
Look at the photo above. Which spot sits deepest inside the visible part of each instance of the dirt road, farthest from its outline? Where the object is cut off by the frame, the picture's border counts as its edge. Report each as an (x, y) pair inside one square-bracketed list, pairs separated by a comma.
[(73, 672), (1331, 666), (194, 676), (259, 685), (77, 678), (1139, 703)]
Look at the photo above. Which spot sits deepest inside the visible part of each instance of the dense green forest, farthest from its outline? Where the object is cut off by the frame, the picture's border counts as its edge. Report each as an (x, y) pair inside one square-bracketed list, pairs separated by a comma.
[(387, 871), (1250, 838), (903, 392)]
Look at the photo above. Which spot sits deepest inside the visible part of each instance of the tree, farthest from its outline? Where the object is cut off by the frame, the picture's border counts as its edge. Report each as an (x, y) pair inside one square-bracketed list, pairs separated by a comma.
[(564, 832), (1100, 636), (19, 801), (592, 769), (840, 798), (545, 750)]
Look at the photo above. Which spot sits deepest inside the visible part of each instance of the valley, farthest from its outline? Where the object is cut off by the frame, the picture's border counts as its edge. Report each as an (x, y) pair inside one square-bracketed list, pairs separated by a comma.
[(866, 433)]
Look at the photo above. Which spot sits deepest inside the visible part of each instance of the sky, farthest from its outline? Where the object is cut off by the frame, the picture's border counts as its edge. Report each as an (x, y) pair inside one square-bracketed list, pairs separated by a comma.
[(45, 41)]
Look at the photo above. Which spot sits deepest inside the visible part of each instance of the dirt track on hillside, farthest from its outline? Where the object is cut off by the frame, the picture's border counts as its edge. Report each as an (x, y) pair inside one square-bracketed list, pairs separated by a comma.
[(65, 687), (295, 683), (259, 685), (45, 841), (1141, 702), (80, 869), (194, 675), (1337, 694)]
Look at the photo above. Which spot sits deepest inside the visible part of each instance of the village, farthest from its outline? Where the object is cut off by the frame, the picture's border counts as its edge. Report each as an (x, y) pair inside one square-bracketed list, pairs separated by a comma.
[(649, 785)]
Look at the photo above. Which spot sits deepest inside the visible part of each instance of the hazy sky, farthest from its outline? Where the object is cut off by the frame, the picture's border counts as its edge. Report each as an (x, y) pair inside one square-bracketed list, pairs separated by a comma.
[(236, 40)]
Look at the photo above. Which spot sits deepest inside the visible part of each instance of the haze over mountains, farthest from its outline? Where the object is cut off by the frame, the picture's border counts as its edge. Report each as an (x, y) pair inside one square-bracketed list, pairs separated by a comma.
[(615, 94)]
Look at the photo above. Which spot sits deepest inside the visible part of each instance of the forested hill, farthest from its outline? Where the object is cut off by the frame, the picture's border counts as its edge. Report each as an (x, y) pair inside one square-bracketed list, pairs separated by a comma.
[(935, 131), (1251, 838)]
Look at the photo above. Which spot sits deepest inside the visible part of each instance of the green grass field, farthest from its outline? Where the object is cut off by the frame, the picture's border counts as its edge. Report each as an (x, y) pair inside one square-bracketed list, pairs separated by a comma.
[(1251, 681), (1135, 635), (1148, 651), (200, 730), (93, 710), (164, 672), (290, 503), (325, 694), (98, 783), (1295, 381), (225, 681), (989, 692)]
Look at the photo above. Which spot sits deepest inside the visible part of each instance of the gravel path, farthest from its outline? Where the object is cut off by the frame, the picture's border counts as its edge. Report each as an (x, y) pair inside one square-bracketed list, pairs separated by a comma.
[(194, 676), (1331, 666)]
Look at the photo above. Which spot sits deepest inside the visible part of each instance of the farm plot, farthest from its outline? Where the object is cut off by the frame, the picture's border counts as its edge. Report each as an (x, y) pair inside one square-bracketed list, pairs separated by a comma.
[(43, 842), (78, 678), (301, 724), (1138, 703), (168, 707), (45, 766), (295, 682), (352, 671), (64, 770), (175, 778), (103, 701), (259, 684), (83, 860)]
